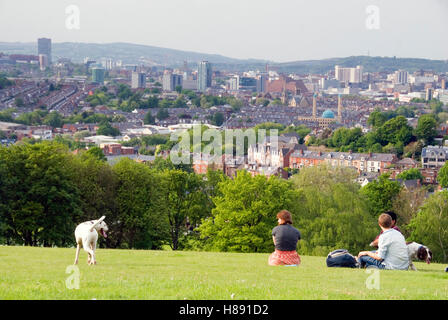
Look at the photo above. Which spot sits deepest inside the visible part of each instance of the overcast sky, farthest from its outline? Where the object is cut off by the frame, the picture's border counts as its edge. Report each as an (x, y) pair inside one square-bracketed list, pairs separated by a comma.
[(277, 30)]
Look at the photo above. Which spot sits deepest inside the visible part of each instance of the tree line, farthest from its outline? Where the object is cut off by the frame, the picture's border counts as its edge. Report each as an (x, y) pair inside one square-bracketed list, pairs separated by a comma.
[(390, 133), (45, 191)]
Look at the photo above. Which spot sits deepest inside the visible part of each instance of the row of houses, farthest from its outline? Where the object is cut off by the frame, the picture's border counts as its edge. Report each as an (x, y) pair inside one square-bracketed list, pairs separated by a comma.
[(284, 155)]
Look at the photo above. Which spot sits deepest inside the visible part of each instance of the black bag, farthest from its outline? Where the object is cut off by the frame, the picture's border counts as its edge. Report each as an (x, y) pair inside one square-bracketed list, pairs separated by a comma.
[(341, 258)]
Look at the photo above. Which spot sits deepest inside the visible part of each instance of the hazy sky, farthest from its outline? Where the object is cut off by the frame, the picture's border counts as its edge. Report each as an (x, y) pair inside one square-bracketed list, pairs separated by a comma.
[(278, 30)]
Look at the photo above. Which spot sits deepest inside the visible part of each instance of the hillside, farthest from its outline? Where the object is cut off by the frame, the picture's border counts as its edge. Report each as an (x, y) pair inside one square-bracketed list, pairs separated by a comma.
[(40, 273), (127, 52), (135, 53)]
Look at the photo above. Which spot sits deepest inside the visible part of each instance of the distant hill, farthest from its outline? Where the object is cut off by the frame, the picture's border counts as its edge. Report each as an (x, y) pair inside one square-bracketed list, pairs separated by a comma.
[(370, 64), (135, 53), (127, 52)]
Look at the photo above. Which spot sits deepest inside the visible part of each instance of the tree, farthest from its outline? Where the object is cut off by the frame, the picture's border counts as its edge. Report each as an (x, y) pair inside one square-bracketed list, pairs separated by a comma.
[(442, 176), (245, 213), (149, 119), (39, 200), (377, 119), (430, 226), (183, 200), (97, 153), (380, 193), (106, 129), (140, 221), (153, 102), (54, 119), (406, 205), (426, 128), (218, 119), (97, 185), (19, 102), (411, 174), (395, 130), (162, 114), (331, 212)]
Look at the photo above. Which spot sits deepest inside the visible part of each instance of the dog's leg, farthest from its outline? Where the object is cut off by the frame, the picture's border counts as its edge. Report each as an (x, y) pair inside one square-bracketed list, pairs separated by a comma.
[(412, 267), (89, 252), (78, 248), (92, 251)]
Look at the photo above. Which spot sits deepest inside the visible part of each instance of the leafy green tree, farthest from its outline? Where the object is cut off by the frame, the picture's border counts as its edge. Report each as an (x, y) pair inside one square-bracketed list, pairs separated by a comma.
[(153, 102), (106, 129), (149, 119), (245, 213), (218, 119), (430, 226), (162, 114), (395, 130), (381, 193), (38, 196), (54, 119), (19, 102), (426, 128), (442, 176), (140, 221), (332, 213), (406, 205), (97, 185), (97, 153), (4, 82), (411, 174), (183, 199), (377, 119)]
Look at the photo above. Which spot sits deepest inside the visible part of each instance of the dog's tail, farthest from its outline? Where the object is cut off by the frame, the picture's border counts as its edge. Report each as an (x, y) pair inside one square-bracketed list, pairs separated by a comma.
[(97, 222)]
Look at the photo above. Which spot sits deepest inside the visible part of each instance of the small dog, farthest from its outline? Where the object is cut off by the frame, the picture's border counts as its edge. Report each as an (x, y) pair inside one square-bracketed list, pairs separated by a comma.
[(86, 235), (420, 252)]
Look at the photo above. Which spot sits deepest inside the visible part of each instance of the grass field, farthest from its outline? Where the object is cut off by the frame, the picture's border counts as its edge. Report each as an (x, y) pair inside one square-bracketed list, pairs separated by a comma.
[(40, 273)]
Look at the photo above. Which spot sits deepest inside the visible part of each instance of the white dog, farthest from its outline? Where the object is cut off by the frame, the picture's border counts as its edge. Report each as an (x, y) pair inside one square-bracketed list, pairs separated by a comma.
[(86, 235), (418, 251)]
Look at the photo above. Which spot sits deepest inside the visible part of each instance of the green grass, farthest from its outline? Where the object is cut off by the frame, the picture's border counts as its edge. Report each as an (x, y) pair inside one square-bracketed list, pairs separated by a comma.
[(39, 273)]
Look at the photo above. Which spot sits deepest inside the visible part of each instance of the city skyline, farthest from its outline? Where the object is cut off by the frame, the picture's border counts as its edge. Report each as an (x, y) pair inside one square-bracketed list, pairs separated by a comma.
[(280, 31)]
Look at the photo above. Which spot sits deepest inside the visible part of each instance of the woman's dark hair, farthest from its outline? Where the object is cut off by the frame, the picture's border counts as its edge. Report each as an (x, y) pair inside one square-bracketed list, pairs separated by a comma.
[(392, 214), (286, 216)]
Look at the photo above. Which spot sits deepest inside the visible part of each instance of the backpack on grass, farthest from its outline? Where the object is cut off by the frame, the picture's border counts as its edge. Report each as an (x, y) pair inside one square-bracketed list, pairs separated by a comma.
[(341, 258)]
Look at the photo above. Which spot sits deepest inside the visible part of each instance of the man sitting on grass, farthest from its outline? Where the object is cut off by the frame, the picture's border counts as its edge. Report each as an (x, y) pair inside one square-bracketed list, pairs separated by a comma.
[(392, 250)]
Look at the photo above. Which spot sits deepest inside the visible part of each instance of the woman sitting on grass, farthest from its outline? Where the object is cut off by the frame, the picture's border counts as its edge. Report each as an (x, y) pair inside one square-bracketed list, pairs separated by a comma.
[(285, 238)]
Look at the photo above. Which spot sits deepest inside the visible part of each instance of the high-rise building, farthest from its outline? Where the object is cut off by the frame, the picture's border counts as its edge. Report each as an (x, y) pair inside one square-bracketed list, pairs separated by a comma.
[(429, 93), (98, 75), (138, 80), (204, 75), (43, 62), (353, 75), (261, 82), (171, 81), (44, 47), (400, 77)]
